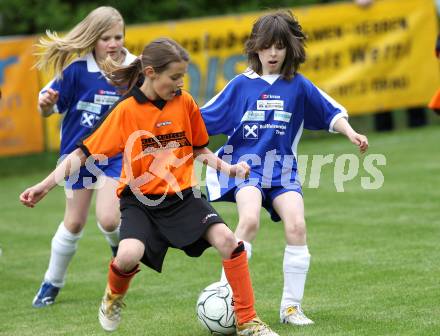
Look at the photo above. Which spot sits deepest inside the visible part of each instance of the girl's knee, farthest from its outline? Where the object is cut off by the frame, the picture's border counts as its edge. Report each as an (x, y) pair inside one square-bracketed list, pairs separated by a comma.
[(129, 255), (74, 226), (126, 261), (249, 223), (226, 243), (230, 241), (297, 228), (108, 223)]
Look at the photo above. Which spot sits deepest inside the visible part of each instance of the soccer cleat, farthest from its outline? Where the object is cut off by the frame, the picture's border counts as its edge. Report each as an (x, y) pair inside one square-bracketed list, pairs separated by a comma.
[(46, 295), (110, 310), (294, 315), (255, 327)]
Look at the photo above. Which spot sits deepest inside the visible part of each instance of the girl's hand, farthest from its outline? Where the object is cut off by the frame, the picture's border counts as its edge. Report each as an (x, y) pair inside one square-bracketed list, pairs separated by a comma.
[(33, 195), (47, 100), (241, 170), (359, 140)]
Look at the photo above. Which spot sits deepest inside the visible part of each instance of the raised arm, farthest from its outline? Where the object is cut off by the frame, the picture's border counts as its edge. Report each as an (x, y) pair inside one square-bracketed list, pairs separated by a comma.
[(70, 164)]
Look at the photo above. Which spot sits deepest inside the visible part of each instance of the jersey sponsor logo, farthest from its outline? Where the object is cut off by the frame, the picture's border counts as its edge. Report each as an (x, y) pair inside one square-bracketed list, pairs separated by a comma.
[(89, 119), (270, 105), (104, 92), (272, 126), (164, 141), (89, 107), (269, 96), (282, 116), (253, 116), (164, 123), (250, 131), (105, 99)]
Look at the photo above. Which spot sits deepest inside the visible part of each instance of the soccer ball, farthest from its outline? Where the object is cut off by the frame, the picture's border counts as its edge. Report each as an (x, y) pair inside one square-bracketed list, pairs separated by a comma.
[(214, 309)]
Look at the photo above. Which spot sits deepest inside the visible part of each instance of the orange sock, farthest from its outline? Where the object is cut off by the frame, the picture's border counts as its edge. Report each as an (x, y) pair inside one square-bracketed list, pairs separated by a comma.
[(118, 281), (237, 273)]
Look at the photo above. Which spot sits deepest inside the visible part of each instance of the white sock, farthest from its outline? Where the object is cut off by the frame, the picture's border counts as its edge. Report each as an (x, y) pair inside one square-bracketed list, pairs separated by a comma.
[(112, 237), (295, 266), (64, 245), (248, 248)]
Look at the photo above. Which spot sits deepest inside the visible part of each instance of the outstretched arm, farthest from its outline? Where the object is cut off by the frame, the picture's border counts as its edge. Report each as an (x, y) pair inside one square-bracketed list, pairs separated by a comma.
[(360, 140), (70, 164), (204, 155)]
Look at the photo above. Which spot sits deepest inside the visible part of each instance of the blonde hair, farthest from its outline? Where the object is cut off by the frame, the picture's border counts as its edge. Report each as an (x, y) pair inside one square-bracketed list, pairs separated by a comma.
[(158, 54), (58, 52)]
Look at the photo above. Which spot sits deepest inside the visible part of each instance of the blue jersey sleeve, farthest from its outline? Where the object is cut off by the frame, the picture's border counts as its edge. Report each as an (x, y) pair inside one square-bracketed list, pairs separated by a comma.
[(321, 111), (65, 87), (219, 114)]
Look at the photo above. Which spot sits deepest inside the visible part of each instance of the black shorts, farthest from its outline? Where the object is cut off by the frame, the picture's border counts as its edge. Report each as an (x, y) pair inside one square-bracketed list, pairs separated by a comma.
[(172, 223)]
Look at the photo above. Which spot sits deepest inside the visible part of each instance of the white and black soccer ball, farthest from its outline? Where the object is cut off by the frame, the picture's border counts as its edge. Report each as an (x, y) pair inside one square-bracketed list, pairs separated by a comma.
[(214, 309)]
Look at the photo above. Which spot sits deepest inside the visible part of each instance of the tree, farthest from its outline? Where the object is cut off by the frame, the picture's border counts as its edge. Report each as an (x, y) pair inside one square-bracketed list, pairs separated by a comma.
[(34, 17)]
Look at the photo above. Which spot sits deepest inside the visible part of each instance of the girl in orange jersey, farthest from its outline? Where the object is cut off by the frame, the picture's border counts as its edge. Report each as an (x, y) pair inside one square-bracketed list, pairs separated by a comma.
[(160, 131)]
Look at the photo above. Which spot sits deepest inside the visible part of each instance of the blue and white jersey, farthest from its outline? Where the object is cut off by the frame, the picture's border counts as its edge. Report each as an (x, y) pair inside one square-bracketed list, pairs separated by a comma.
[(264, 117), (84, 97)]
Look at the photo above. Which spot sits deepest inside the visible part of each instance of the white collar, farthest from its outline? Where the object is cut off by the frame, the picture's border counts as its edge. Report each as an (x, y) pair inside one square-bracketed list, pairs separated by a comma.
[(92, 66), (249, 73)]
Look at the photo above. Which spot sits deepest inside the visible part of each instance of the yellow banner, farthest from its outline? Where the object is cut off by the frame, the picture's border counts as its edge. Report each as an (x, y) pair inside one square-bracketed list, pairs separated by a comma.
[(368, 59), (375, 58), (21, 128)]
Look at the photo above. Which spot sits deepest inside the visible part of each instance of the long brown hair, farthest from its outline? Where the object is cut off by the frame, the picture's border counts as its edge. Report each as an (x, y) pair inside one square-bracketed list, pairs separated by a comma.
[(158, 54), (282, 29)]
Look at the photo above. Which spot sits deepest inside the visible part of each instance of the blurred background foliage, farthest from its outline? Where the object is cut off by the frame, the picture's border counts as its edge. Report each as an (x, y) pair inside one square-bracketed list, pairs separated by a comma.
[(24, 17)]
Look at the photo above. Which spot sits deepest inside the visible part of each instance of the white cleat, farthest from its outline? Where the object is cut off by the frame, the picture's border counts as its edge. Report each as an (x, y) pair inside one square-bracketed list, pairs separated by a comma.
[(254, 327), (294, 315), (110, 310)]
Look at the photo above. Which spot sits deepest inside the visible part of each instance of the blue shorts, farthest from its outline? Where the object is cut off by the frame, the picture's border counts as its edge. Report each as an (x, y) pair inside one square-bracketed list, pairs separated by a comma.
[(86, 178), (268, 195)]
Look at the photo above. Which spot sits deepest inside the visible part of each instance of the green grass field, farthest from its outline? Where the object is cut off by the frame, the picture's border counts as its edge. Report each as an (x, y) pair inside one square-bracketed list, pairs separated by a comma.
[(375, 255)]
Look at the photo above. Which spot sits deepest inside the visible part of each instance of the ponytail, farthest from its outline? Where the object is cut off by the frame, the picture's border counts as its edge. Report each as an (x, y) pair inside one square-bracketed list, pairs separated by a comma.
[(124, 77)]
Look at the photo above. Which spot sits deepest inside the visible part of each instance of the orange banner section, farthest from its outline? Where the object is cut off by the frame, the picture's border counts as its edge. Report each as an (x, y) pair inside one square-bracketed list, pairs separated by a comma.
[(21, 127)]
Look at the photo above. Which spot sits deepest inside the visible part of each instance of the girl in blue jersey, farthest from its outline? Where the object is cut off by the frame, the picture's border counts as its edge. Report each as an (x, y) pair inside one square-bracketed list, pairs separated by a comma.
[(263, 111), (81, 93)]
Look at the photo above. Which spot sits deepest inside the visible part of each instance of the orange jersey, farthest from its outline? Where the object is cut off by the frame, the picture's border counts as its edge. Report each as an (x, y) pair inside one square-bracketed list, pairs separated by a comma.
[(157, 142)]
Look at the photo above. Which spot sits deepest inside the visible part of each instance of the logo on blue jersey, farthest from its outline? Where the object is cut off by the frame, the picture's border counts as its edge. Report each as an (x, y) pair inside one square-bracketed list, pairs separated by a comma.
[(105, 99), (270, 105), (89, 107), (89, 119), (282, 116), (269, 96), (253, 116), (250, 131)]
